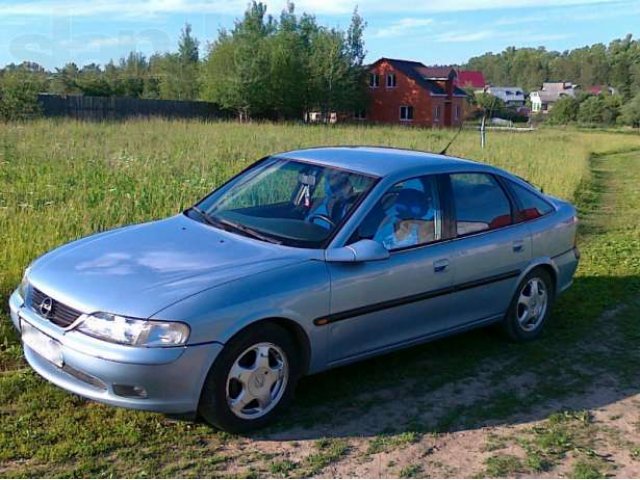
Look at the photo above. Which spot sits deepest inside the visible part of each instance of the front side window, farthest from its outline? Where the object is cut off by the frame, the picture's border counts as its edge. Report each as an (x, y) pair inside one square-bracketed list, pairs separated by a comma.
[(391, 80), (284, 201), (530, 205), (480, 203), (436, 113), (406, 112), (406, 216), (374, 80)]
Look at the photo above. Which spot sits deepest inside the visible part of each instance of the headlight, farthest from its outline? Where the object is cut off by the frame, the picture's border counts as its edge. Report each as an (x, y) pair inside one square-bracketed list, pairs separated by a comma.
[(129, 331), (24, 286)]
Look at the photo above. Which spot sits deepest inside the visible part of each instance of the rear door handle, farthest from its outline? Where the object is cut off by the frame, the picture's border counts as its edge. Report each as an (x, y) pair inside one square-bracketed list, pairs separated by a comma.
[(518, 246), (440, 265)]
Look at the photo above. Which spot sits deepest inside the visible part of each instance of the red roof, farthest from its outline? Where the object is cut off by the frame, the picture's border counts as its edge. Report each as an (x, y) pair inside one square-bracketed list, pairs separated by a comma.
[(470, 78), (596, 89)]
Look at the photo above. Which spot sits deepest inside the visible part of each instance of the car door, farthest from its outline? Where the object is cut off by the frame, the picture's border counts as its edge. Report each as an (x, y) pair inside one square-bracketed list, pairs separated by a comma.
[(491, 250), (381, 305)]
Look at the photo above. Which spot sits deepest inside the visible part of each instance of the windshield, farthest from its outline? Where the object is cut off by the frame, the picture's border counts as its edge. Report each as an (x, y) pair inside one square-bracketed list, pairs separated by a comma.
[(285, 201)]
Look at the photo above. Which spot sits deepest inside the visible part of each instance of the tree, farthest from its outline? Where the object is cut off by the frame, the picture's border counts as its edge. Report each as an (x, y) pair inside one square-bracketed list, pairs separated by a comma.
[(630, 112), (288, 67), (591, 110), (612, 105), (130, 75), (19, 89), (329, 70), (65, 80), (564, 111), (237, 70), (283, 69), (624, 53), (616, 64), (188, 46), (92, 81), (488, 103)]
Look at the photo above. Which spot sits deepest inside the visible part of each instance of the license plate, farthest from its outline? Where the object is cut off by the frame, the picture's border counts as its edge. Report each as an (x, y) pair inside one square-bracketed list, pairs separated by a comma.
[(42, 344)]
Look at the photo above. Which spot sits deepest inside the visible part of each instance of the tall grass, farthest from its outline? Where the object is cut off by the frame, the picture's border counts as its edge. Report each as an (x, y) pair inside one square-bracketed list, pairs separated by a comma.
[(60, 180)]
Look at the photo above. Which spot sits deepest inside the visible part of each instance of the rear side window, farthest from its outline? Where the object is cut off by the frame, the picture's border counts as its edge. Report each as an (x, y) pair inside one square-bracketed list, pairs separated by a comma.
[(530, 205), (480, 203)]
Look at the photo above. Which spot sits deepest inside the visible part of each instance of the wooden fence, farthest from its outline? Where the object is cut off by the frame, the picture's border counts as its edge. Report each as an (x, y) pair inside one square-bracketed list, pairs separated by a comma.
[(117, 108)]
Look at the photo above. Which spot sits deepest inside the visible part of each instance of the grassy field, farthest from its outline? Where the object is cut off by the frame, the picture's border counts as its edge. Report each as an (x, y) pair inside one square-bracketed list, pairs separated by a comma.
[(62, 180)]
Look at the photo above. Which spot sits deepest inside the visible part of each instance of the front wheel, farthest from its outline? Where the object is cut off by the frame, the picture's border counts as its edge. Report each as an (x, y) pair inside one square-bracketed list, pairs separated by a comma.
[(252, 380), (530, 307)]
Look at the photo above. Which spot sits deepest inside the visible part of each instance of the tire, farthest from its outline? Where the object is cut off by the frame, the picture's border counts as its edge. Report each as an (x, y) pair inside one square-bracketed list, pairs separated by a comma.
[(529, 311), (257, 371)]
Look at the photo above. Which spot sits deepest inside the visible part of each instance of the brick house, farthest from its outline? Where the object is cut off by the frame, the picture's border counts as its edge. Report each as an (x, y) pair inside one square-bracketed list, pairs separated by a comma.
[(409, 93)]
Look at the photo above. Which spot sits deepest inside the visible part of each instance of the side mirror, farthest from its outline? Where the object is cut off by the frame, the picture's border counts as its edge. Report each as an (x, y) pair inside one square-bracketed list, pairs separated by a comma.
[(361, 251)]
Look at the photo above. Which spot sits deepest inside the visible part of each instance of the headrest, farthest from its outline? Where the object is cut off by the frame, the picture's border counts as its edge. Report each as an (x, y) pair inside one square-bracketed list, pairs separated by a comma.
[(411, 204)]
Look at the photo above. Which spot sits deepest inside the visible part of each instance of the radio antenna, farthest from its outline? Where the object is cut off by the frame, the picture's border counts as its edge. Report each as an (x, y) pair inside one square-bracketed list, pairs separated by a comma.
[(444, 150)]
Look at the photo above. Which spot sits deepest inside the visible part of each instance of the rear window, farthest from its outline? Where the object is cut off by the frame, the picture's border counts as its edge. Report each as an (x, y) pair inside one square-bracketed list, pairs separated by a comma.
[(480, 203), (530, 205)]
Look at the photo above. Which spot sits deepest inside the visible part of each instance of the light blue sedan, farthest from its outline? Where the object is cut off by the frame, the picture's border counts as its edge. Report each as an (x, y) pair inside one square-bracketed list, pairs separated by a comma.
[(307, 260)]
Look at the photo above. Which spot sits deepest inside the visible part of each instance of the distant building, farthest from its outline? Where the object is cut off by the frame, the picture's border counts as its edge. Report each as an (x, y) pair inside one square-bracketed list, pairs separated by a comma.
[(410, 93), (472, 79), (511, 96), (600, 89), (543, 100)]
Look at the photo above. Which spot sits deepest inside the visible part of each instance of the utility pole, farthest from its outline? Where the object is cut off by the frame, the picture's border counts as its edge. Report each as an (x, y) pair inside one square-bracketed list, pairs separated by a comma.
[(483, 124)]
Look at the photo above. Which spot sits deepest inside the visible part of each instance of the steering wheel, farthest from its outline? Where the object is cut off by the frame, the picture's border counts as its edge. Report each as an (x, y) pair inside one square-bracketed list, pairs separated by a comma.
[(323, 217)]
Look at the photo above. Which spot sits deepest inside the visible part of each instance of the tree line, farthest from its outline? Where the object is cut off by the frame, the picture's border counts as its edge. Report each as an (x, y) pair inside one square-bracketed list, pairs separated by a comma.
[(283, 68), (616, 65), (261, 68)]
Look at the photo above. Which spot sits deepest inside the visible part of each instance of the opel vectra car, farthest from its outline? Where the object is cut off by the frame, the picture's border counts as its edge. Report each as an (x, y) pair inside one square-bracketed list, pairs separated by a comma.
[(306, 260)]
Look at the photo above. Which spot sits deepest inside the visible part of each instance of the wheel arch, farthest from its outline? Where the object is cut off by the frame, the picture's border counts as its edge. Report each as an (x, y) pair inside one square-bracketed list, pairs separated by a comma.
[(548, 266), (294, 329)]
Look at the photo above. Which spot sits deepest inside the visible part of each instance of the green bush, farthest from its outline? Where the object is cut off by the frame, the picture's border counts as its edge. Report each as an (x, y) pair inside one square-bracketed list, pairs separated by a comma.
[(630, 112), (564, 111), (19, 94)]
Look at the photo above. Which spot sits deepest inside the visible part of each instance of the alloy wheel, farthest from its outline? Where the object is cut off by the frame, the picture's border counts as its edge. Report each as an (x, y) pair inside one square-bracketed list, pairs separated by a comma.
[(532, 304), (257, 380)]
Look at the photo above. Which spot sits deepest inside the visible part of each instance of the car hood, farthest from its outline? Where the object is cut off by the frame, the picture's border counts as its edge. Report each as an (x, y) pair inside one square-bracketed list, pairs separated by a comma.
[(141, 269)]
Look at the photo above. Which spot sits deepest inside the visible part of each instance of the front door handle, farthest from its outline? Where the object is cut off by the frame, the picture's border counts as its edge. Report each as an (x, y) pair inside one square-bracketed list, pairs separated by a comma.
[(518, 246), (440, 265)]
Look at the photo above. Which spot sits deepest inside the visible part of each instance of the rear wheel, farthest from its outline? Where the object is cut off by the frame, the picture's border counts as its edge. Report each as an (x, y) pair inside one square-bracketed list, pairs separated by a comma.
[(530, 307), (252, 380)]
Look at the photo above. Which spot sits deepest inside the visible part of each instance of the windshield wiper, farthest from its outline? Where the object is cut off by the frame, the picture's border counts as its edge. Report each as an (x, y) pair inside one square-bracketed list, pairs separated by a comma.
[(246, 230), (218, 222), (205, 216)]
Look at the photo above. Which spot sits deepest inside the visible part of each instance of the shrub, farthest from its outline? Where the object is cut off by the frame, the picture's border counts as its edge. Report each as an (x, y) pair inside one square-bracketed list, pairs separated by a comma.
[(19, 94)]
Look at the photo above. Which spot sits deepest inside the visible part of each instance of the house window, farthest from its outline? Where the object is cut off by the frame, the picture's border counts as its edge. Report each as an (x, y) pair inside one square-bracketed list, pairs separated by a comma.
[(457, 112), (406, 113), (391, 80), (374, 80), (436, 113), (360, 115)]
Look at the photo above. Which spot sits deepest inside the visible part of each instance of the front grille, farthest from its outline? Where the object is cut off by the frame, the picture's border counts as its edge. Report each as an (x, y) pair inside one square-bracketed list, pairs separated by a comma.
[(60, 314)]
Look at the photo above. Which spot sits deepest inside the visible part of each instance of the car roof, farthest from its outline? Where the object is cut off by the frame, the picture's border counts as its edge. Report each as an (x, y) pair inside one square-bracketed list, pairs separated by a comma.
[(381, 161)]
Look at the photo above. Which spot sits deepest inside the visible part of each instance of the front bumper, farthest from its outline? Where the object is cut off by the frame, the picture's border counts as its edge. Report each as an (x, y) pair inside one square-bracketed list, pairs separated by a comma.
[(171, 377)]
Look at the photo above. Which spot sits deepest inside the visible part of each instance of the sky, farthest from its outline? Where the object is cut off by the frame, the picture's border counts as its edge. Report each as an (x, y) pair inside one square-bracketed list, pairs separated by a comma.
[(54, 32)]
